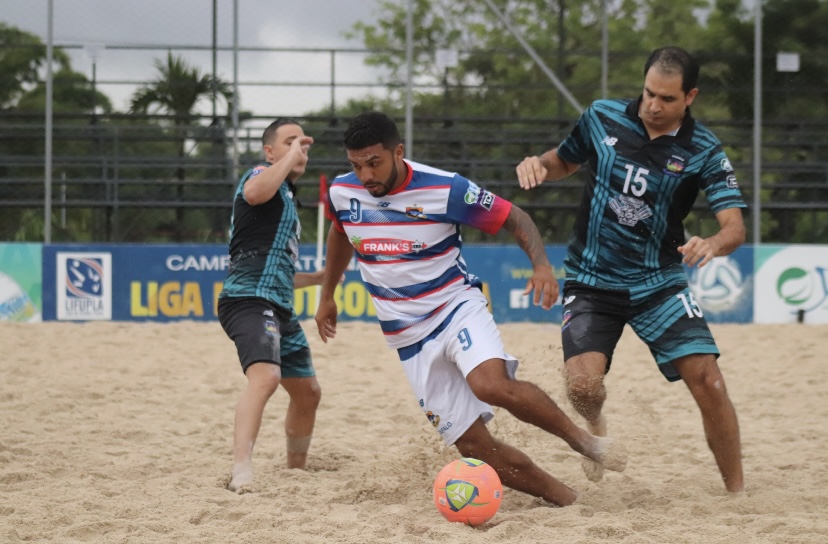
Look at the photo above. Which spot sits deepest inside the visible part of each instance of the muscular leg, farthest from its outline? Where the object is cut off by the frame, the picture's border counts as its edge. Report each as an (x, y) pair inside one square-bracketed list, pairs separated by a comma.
[(491, 383), (721, 427), (262, 381), (515, 468), (305, 395), (586, 392)]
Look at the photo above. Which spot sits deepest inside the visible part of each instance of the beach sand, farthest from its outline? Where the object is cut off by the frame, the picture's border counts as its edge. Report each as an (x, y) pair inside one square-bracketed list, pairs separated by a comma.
[(122, 433)]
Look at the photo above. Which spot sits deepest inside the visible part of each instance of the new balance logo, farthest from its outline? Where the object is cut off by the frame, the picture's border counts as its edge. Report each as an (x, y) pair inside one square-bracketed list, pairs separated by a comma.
[(610, 141), (383, 204)]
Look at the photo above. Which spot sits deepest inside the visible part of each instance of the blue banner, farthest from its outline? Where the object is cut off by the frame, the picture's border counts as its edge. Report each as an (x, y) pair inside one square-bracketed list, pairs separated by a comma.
[(174, 282), (132, 283), (505, 271)]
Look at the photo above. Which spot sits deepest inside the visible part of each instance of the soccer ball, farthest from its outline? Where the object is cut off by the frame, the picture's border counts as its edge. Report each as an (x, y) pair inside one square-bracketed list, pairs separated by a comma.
[(468, 491)]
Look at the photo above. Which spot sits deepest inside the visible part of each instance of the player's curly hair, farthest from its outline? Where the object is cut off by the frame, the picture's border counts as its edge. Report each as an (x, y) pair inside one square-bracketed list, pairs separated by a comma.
[(372, 128)]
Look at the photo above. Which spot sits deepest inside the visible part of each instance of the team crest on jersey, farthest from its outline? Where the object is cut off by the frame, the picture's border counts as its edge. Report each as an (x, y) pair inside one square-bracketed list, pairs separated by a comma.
[(416, 212), (386, 246), (629, 210), (433, 418), (675, 166)]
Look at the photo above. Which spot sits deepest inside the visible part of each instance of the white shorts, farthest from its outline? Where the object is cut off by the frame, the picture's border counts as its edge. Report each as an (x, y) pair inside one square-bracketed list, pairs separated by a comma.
[(437, 367)]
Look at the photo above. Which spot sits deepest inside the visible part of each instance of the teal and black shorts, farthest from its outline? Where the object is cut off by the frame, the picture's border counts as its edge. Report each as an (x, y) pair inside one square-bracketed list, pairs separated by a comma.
[(668, 321), (266, 332)]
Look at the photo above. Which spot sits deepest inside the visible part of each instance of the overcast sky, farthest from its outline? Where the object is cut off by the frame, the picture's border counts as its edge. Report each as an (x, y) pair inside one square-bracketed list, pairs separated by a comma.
[(280, 24)]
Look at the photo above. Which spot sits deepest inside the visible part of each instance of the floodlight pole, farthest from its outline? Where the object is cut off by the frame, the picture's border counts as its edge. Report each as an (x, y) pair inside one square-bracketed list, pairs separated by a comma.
[(47, 169), (409, 63), (604, 49), (215, 49), (757, 123), (235, 113)]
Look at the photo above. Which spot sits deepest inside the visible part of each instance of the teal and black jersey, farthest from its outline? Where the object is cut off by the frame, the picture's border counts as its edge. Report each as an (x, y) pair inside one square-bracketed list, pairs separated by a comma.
[(264, 246), (630, 223)]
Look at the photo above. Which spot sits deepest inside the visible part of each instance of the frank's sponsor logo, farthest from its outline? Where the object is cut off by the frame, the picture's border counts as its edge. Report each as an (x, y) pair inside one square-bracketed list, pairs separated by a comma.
[(386, 246)]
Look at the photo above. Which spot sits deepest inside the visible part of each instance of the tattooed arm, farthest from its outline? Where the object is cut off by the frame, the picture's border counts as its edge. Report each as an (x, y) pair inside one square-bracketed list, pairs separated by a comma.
[(526, 234)]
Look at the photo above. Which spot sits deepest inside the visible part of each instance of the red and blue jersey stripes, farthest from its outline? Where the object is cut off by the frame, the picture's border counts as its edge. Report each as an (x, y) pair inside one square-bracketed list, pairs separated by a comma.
[(408, 245)]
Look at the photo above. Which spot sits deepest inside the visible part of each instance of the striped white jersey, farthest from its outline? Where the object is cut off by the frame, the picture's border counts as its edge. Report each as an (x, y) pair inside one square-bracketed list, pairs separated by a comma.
[(408, 245)]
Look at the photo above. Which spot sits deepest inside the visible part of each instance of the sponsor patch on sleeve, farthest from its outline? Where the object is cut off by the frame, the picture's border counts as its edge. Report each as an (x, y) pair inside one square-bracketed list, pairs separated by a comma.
[(487, 200), (725, 165), (472, 193)]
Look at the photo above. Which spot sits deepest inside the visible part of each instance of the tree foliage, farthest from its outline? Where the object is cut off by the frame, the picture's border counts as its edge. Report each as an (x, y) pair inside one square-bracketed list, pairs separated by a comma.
[(478, 117), (177, 91), (22, 55), (22, 91), (794, 26), (496, 78), (495, 75)]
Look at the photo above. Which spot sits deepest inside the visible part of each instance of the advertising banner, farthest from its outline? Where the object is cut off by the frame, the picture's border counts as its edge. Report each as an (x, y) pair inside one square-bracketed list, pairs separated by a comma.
[(504, 271), (20, 282), (791, 284), (132, 282), (723, 288), (174, 282)]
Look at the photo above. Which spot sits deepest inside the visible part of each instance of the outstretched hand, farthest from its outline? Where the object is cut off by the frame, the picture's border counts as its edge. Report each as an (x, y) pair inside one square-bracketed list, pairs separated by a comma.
[(326, 319), (300, 147), (697, 251), (545, 286), (531, 173)]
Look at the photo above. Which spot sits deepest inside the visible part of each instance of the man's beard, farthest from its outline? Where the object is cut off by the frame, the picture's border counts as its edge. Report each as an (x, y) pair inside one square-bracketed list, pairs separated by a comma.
[(389, 184)]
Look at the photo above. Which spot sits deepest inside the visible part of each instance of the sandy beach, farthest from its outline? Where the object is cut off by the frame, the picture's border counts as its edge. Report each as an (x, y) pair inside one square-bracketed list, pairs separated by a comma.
[(122, 433)]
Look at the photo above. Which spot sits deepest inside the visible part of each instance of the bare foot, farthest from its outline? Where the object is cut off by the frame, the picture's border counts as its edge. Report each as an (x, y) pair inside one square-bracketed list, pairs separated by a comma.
[(242, 475), (593, 470), (296, 459), (612, 454)]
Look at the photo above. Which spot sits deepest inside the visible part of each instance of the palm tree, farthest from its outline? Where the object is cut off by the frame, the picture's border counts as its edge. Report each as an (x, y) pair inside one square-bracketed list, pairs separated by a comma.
[(176, 92)]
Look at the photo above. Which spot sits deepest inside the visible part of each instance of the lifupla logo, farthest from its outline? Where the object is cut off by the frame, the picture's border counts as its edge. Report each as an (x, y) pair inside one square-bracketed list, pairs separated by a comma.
[(84, 286)]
